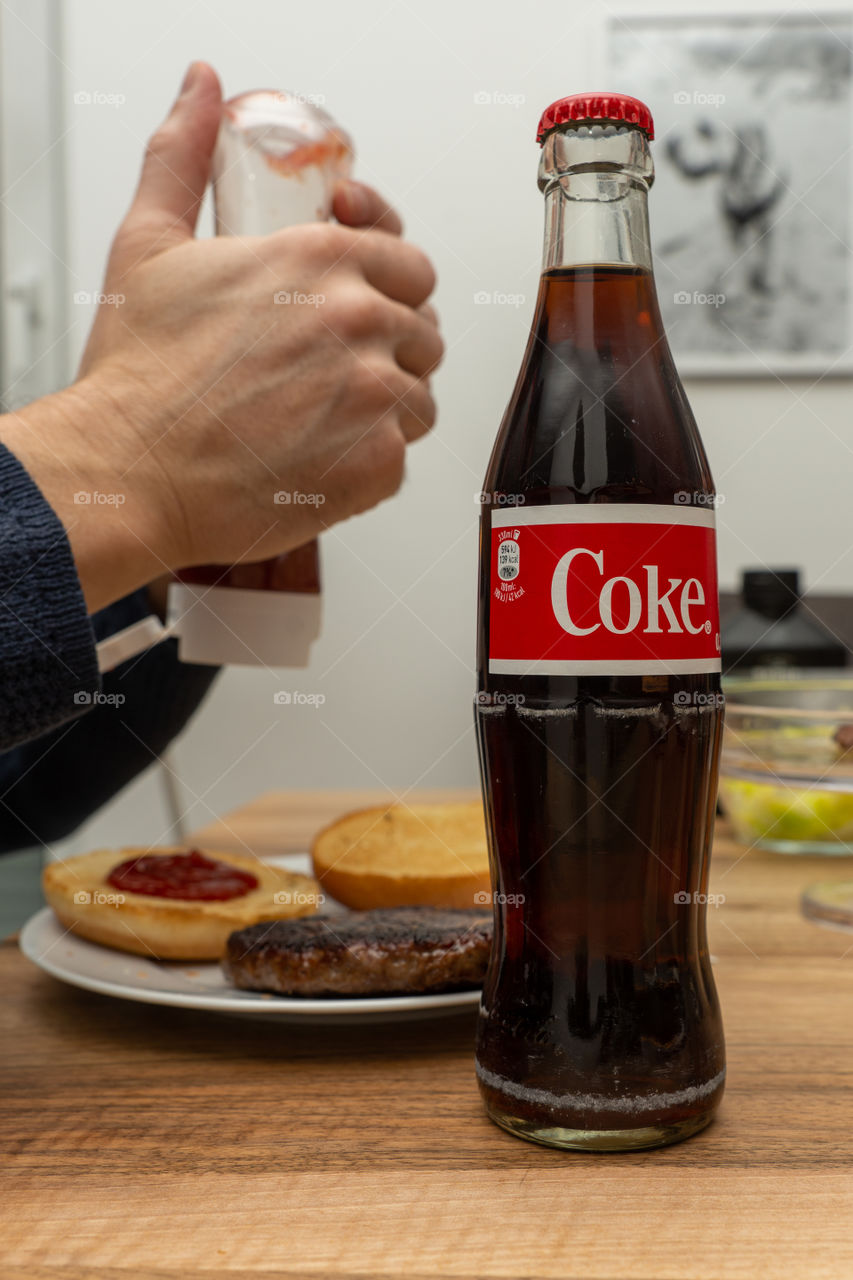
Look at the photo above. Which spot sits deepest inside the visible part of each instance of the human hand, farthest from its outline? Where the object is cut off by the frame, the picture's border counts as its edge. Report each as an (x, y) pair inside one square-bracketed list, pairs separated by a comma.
[(201, 398)]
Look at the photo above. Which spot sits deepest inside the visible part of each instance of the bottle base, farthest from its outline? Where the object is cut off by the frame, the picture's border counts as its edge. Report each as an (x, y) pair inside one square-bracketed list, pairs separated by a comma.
[(639, 1139)]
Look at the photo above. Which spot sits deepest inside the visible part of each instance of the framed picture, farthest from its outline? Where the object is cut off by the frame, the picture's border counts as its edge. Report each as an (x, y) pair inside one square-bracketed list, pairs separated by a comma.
[(750, 213)]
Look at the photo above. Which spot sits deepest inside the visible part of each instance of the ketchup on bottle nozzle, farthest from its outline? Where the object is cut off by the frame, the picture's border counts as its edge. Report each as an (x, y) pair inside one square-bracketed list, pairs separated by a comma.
[(276, 162)]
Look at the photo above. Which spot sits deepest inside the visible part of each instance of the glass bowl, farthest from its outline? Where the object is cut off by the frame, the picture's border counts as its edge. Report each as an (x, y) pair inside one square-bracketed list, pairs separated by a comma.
[(786, 771)]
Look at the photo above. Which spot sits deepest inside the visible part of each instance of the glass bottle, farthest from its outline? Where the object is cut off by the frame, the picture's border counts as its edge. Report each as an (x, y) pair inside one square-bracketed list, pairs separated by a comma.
[(599, 711)]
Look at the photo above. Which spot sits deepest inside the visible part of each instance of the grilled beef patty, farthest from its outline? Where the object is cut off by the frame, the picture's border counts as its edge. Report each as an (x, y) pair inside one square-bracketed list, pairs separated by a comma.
[(397, 950)]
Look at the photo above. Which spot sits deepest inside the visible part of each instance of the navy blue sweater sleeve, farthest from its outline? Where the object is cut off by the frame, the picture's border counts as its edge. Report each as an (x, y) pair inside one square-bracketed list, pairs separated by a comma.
[(48, 664), (71, 739)]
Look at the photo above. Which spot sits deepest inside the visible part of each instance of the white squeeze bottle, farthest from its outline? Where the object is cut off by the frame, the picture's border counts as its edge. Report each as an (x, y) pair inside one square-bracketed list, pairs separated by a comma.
[(276, 162)]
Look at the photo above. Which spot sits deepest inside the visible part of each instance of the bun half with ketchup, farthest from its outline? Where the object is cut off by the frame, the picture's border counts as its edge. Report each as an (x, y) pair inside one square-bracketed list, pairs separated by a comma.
[(170, 903)]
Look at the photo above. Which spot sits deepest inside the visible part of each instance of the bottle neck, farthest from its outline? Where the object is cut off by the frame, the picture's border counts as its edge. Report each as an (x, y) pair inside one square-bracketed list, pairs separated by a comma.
[(597, 218), (598, 288)]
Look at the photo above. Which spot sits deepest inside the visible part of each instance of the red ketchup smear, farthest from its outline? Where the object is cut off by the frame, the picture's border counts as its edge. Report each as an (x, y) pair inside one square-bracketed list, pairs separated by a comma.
[(331, 147), (191, 877)]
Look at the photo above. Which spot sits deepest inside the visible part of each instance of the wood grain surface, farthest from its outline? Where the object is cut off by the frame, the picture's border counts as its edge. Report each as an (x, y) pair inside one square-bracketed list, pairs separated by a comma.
[(151, 1142)]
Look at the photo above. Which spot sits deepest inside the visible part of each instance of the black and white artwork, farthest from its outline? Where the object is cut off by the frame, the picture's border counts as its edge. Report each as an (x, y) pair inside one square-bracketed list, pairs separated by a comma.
[(750, 210)]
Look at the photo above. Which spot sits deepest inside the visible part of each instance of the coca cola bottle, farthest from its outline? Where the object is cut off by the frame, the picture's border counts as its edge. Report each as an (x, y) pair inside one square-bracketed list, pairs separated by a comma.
[(599, 710)]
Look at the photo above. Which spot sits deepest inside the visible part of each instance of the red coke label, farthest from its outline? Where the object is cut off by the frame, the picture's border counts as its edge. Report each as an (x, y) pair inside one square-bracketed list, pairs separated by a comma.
[(604, 590)]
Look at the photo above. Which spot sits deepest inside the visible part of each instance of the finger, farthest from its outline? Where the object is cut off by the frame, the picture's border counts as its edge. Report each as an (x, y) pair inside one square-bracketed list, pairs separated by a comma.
[(430, 312), (420, 348), (357, 205), (395, 267), (175, 171), (400, 395), (416, 412)]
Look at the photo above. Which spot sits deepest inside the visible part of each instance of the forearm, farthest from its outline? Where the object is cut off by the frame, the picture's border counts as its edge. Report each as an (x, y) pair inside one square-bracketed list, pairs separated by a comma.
[(77, 445), (48, 662), (69, 740)]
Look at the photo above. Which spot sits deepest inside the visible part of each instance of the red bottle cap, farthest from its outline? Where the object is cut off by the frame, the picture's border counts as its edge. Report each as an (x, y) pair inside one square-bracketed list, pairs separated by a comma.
[(613, 107)]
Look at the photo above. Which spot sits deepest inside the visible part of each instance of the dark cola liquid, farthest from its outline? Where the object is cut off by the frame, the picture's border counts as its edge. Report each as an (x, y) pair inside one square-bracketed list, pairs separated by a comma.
[(599, 1013)]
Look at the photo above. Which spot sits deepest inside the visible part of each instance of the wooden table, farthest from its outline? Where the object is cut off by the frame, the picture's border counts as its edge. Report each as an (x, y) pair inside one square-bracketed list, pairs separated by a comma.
[(152, 1143)]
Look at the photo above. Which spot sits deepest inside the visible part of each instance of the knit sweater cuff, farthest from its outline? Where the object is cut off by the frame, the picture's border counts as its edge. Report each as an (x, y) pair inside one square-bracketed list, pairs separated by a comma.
[(48, 663)]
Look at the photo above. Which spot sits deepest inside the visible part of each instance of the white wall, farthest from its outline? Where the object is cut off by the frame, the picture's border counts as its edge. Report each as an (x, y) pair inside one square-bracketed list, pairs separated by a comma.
[(33, 276), (395, 662)]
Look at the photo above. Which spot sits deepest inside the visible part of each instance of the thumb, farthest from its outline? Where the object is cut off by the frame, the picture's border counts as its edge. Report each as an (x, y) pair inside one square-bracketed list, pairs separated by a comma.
[(174, 173)]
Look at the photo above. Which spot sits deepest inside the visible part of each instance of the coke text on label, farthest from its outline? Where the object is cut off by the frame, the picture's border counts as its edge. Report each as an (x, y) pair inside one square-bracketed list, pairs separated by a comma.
[(604, 590)]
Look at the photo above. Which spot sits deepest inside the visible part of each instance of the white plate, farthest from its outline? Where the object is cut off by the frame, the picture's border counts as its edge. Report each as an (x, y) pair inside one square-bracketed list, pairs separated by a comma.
[(203, 986)]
